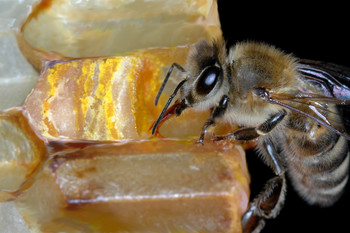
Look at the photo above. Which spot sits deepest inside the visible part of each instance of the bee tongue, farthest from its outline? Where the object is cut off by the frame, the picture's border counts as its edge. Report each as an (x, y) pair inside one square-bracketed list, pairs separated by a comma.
[(175, 109)]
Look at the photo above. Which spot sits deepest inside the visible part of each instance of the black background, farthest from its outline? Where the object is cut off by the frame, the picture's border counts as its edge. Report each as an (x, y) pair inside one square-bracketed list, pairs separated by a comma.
[(318, 32)]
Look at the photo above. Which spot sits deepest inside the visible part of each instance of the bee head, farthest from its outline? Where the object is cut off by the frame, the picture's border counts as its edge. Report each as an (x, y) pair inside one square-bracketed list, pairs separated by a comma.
[(206, 68), (202, 88)]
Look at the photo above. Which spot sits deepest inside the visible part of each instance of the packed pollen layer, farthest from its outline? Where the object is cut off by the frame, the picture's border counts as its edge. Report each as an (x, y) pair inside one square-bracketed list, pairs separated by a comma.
[(83, 94), (97, 98)]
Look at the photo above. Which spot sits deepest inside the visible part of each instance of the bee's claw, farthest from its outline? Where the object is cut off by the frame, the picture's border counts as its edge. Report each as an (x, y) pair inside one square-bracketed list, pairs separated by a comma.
[(201, 139)]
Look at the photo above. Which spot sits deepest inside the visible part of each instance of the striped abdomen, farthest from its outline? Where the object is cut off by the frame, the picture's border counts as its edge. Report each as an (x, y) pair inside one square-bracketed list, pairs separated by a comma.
[(317, 161)]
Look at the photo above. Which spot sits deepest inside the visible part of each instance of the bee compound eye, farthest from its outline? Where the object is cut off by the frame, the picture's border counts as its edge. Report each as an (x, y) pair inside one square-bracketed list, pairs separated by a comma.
[(207, 80)]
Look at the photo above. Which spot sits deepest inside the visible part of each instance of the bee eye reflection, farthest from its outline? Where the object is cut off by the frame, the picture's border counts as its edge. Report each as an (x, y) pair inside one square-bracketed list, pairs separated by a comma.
[(207, 80)]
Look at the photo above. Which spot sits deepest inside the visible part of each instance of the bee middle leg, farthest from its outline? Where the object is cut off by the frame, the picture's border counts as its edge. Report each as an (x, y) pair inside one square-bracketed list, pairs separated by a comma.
[(250, 133), (271, 199)]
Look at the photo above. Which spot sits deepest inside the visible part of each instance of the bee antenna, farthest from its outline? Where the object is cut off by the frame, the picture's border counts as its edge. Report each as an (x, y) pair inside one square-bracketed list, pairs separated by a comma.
[(167, 105), (166, 80)]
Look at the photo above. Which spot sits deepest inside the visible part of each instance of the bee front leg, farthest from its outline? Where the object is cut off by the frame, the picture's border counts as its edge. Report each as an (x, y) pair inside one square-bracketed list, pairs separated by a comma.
[(216, 113)]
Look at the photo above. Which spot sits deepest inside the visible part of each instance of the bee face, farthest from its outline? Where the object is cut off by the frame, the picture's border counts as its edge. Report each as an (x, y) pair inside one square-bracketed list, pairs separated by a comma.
[(207, 72), (203, 88), (207, 80)]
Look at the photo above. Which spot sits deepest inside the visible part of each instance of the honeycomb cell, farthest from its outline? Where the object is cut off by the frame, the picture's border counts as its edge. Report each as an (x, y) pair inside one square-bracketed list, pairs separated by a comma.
[(140, 186)]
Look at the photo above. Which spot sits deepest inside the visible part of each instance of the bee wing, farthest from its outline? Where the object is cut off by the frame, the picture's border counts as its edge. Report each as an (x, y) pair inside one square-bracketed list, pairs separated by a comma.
[(334, 81)]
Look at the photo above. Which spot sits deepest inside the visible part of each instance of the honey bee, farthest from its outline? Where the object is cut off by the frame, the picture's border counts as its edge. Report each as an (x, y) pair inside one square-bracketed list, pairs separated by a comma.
[(296, 110)]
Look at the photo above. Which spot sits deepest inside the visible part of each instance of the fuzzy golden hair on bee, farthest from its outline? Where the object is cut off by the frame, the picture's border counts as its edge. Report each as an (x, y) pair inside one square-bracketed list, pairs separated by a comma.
[(256, 64), (205, 53)]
